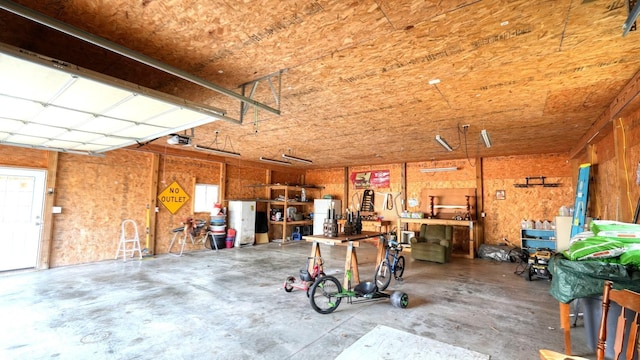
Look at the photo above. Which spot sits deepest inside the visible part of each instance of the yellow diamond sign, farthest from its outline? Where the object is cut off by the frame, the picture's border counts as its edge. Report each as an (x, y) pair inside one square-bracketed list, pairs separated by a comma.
[(173, 197)]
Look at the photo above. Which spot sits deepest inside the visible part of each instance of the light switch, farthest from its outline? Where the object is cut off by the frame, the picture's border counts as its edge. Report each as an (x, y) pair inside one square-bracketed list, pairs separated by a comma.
[(56, 210)]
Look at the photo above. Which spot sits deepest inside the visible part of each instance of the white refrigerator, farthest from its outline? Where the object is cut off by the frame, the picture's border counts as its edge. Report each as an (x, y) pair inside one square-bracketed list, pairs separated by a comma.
[(320, 212), (242, 218)]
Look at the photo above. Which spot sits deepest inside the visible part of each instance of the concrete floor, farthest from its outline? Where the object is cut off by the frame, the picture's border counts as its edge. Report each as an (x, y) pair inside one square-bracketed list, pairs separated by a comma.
[(230, 305)]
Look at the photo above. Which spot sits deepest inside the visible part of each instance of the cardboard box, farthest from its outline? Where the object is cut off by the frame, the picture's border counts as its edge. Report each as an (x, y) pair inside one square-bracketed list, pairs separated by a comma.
[(262, 238)]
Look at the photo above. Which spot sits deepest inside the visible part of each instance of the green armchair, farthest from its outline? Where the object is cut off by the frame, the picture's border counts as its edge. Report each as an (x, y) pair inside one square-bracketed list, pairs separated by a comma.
[(433, 244)]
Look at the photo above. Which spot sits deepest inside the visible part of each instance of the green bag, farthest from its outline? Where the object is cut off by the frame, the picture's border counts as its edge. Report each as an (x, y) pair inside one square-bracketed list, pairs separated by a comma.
[(595, 247)]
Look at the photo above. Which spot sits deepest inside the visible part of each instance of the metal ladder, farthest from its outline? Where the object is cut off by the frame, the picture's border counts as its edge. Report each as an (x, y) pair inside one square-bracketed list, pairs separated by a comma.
[(135, 240), (582, 195)]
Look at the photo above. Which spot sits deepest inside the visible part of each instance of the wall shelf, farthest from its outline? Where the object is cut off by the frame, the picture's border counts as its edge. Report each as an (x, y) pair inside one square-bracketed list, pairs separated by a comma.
[(535, 181)]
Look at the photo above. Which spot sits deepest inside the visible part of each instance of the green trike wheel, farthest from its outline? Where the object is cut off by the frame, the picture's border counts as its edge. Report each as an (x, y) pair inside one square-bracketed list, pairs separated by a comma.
[(325, 294), (399, 299)]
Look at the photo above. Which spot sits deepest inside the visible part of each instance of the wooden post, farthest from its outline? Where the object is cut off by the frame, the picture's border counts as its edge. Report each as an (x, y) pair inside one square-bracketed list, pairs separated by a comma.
[(150, 242), (315, 253), (44, 259)]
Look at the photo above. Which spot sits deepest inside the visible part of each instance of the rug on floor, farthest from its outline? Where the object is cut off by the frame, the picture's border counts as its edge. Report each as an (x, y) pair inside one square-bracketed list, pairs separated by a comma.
[(387, 343)]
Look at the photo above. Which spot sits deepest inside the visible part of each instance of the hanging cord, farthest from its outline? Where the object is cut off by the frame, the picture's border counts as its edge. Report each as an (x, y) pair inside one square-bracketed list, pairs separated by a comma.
[(394, 201), (388, 203), (463, 131), (624, 161), (217, 144)]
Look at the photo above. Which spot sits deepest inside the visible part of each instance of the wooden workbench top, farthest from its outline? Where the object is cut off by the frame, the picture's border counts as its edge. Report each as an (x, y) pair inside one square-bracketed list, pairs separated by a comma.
[(342, 238)]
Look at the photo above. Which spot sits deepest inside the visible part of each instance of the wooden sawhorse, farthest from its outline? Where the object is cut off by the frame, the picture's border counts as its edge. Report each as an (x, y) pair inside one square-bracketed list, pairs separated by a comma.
[(352, 242)]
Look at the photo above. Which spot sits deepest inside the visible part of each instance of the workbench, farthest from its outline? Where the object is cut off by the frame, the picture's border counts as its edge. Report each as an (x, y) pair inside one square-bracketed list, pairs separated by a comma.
[(352, 242), (471, 224), (377, 224)]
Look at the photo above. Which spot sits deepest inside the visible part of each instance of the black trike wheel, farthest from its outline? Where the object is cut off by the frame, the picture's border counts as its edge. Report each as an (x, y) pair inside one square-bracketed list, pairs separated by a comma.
[(399, 269), (325, 294), (382, 275), (288, 284), (399, 299)]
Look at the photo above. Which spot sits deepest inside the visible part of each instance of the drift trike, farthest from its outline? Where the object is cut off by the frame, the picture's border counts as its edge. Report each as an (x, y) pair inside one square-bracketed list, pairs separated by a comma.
[(306, 278), (326, 293)]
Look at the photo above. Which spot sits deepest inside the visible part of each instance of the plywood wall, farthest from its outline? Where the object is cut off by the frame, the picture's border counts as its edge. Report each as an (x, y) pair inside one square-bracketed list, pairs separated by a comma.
[(503, 216), (96, 194), (332, 181), (616, 158), (186, 172), (23, 157)]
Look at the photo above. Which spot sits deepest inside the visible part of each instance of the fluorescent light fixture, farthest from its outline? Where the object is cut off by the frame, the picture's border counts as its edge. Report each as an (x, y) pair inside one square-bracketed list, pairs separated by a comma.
[(484, 135), (289, 157), (431, 170), (274, 161), (443, 143), (434, 81), (48, 104), (216, 151)]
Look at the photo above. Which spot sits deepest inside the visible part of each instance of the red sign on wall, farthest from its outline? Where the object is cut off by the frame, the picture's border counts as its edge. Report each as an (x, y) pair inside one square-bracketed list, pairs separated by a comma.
[(371, 179)]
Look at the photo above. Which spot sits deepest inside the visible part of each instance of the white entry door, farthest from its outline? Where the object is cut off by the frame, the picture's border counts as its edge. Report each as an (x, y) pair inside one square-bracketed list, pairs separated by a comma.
[(21, 204)]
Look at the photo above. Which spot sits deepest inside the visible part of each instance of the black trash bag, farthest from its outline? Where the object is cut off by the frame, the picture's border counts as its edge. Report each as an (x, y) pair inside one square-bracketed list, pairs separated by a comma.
[(578, 279)]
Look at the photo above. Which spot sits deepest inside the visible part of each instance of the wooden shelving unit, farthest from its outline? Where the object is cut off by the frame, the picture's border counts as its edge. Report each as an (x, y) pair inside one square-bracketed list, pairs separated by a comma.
[(291, 195)]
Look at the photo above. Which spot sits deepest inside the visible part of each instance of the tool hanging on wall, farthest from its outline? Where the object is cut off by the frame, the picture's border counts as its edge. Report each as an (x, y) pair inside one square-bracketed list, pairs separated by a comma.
[(368, 200)]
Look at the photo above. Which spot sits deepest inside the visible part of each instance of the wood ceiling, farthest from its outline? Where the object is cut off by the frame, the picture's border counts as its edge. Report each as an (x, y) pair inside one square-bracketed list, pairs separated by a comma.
[(355, 75)]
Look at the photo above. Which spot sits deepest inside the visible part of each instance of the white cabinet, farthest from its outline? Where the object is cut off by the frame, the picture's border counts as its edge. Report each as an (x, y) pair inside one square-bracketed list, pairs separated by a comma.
[(242, 218), (563, 232), (320, 212)]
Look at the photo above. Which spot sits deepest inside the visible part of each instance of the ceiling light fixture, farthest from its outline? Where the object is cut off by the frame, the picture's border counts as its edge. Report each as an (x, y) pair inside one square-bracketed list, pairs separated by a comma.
[(216, 151), (484, 135), (274, 161), (430, 170), (434, 81), (443, 143), (289, 157)]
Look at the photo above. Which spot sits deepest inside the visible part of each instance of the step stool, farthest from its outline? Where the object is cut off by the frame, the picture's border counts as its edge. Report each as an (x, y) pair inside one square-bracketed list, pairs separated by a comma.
[(135, 240)]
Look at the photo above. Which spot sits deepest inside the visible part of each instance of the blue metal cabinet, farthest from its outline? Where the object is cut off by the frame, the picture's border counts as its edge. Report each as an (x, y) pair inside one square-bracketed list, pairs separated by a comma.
[(533, 239)]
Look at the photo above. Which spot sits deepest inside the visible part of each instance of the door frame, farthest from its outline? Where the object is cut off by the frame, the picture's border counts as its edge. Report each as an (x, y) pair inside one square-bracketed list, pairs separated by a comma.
[(37, 210), (43, 261)]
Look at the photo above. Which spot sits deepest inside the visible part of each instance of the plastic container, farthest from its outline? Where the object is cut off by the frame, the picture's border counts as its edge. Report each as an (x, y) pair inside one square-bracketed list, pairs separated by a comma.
[(218, 228), (220, 241), (229, 242), (564, 211), (538, 225), (218, 219), (592, 310)]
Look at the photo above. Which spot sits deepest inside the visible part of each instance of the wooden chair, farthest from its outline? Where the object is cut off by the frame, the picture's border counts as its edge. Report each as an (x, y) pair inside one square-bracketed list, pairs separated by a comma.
[(627, 299)]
